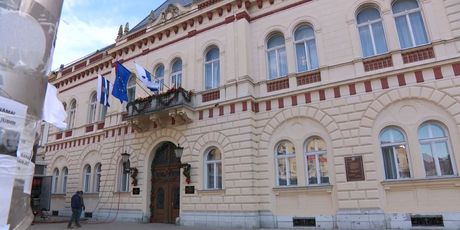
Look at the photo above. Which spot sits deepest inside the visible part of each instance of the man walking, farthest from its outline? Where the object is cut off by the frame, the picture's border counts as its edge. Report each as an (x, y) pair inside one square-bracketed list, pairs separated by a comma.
[(77, 204)]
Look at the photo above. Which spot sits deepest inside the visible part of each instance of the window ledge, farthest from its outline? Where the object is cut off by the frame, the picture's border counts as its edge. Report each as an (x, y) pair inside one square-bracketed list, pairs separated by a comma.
[(211, 191), (310, 188), (90, 194), (119, 192), (447, 181), (58, 194)]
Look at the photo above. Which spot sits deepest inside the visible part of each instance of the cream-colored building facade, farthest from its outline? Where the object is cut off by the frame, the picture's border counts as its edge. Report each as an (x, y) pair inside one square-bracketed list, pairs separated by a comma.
[(324, 113)]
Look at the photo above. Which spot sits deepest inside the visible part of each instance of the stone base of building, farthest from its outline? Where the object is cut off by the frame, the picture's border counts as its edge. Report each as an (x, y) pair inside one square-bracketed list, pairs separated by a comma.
[(255, 219), (344, 219)]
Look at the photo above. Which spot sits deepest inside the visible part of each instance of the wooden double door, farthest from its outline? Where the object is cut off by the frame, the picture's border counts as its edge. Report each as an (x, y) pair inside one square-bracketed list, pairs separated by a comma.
[(165, 197)]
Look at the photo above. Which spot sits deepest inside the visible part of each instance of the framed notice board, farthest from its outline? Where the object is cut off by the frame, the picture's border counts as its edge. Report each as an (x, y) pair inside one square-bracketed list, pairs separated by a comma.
[(354, 168)]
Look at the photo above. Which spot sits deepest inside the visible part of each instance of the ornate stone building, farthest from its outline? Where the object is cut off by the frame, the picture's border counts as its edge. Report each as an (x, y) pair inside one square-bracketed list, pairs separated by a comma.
[(323, 113)]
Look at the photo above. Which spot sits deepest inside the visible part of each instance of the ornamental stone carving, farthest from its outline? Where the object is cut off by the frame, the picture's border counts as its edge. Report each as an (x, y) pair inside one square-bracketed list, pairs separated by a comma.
[(171, 12)]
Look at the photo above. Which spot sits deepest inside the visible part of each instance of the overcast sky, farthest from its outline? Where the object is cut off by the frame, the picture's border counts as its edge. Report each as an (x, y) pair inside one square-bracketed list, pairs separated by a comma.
[(89, 25)]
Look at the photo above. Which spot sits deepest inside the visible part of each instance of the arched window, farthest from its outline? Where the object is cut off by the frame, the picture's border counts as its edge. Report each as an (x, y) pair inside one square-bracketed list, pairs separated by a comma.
[(276, 57), (305, 49), (176, 73), (212, 69), (286, 166), (72, 111), (65, 174), (394, 153), (97, 177), (160, 75), (86, 178), (213, 167), (131, 88), (409, 23), (371, 32), (316, 161), (55, 180), (92, 108), (435, 149), (124, 179)]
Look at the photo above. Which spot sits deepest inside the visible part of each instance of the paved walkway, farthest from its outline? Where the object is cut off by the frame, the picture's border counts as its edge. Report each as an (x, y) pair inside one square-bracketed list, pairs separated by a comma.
[(115, 226)]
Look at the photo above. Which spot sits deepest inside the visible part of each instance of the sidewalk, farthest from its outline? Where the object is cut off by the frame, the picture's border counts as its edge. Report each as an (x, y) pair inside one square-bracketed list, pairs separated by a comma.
[(115, 226)]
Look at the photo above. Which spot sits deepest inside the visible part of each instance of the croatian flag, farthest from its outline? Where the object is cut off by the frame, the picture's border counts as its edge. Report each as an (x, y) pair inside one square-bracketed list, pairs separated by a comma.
[(103, 90), (146, 78)]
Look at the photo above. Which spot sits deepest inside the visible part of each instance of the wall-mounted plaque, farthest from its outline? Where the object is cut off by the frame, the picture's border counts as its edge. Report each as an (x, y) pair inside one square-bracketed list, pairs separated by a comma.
[(354, 168), (189, 189), (136, 191)]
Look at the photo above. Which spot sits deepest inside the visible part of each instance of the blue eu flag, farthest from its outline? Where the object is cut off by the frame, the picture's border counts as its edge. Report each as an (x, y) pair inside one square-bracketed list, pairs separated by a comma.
[(121, 82)]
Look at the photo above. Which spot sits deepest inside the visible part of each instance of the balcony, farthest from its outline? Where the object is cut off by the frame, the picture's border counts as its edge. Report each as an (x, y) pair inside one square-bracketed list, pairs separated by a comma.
[(172, 107)]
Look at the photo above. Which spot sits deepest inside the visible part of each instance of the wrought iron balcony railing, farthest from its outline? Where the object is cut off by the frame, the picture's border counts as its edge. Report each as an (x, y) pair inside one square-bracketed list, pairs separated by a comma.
[(159, 103)]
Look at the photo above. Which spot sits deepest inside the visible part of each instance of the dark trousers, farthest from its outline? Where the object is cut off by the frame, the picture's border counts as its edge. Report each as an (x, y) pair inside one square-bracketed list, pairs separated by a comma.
[(76, 213)]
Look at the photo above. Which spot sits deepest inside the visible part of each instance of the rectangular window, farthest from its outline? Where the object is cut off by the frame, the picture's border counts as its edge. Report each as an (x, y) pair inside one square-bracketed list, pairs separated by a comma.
[(282, 58), (282, 177), (443, 156), (219, 175), (292, 171), (124, 182), (87, 179), (428, 160), (210, 176), (404, 34), (418, 28), (317, 170), (395, 162)]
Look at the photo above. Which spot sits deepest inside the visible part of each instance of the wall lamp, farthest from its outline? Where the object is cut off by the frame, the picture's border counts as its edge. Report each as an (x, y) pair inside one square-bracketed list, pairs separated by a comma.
[(127, 168), (186, 166)]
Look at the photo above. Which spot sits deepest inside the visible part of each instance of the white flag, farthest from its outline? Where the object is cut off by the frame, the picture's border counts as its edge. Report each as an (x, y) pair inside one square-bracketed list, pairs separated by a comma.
[(53, 110), (146, 78)]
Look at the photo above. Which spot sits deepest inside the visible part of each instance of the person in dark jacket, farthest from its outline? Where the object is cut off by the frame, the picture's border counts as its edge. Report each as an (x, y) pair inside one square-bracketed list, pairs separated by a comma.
[(77, 204)]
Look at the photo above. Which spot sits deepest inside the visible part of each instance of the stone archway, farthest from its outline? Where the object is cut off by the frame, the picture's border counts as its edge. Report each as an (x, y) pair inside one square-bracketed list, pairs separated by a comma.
[(165, 192)]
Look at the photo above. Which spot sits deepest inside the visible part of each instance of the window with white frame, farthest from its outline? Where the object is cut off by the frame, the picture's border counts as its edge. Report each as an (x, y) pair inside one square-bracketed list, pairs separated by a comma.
[(92, 108), (86, 178), (212, 69), (371, 32), (102, 112), (72, 111), (213, 169), (435, 149), (409, 23), (65, 174), (97, 177), (124, 179), (176, 73), (55, 180), (160, 76), (316, 161), (286, 165), (276, 57), (394, 153), (131, 88), (305, 48)]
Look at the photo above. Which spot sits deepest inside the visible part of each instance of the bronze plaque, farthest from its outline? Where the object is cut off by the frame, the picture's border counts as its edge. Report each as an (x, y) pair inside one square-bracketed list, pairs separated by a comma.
[(136, 191), (189, 189), (354, 168)]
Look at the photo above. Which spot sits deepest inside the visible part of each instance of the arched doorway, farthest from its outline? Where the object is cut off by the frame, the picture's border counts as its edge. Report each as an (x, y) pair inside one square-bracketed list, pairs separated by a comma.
[(165, 196)]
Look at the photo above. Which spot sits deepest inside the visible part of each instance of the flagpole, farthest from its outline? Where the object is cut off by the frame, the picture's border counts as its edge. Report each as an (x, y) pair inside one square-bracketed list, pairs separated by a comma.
[(142, 88)]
